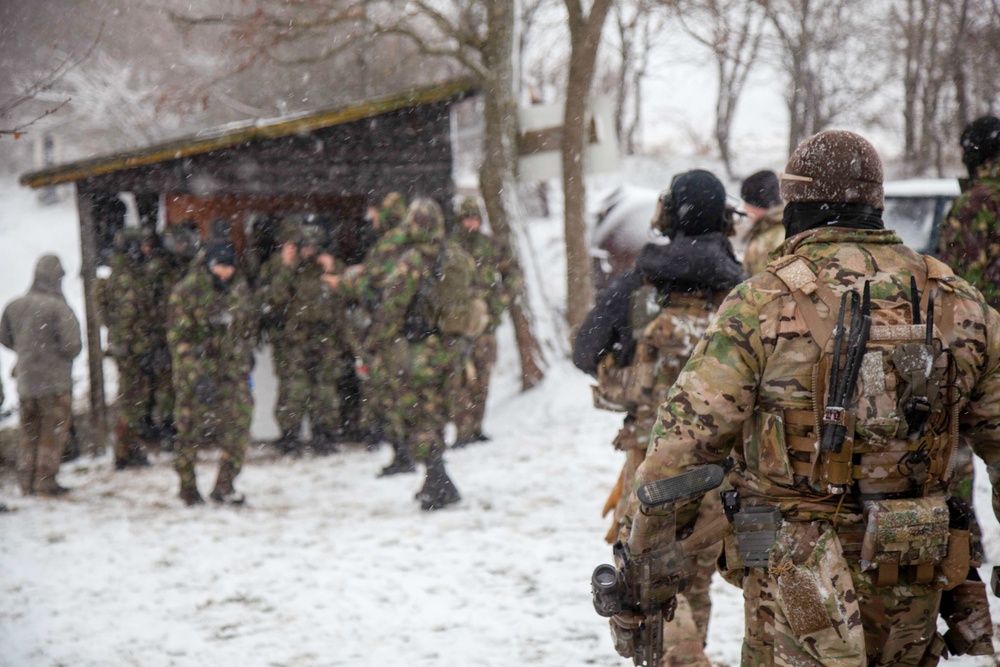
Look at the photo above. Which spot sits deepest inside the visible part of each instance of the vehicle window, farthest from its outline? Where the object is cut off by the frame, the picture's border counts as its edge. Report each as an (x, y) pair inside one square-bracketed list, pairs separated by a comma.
[(912, 218)]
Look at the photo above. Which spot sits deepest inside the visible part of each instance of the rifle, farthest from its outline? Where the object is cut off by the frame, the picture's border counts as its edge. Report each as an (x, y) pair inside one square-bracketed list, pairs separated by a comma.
[(652, 566)]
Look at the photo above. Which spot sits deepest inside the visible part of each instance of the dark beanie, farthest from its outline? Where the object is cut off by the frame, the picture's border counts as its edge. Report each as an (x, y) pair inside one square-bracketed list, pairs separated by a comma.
[(220, 252), (980, 142), (698, 203), (761, 190), (834, 166)]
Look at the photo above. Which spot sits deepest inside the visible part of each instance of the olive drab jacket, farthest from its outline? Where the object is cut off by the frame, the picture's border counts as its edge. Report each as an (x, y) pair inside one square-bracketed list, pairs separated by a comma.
[(752, 375)]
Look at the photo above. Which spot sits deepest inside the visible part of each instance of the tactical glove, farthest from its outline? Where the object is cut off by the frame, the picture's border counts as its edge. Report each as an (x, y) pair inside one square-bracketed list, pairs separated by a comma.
[(624, 632)]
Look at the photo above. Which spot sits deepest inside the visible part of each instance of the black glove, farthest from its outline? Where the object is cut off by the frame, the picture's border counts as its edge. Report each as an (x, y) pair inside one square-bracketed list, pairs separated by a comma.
[(205, 390)]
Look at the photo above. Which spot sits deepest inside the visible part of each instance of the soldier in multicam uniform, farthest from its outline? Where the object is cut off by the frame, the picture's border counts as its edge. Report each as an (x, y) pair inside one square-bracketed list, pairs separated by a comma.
[(307, 336), (211, 337), (762, 203), (847, 482), (497, 280), (636, 341), (970, 237)]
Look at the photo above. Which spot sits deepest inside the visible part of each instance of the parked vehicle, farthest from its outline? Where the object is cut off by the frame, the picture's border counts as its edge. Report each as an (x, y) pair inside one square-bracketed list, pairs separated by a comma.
[(915, 208)]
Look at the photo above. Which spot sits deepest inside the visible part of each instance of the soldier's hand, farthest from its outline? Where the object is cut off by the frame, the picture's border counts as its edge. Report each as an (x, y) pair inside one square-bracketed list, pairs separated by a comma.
[(331, 279), (288, 253), (326, 261), (625, 631)]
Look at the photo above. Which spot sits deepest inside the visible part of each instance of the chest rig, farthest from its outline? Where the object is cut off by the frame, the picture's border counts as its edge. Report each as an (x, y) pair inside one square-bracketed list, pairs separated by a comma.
[(666, 328), (884, 420)]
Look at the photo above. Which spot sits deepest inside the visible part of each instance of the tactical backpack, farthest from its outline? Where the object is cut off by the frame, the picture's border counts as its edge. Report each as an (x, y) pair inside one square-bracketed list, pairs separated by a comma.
[(884, 422), (448, 301)]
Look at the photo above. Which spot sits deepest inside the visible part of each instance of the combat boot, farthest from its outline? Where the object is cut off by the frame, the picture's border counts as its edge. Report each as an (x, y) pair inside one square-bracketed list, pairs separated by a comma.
[(323, 441), (190, 496), (401, 462), (50, 489), (288, 442), (439, 491)]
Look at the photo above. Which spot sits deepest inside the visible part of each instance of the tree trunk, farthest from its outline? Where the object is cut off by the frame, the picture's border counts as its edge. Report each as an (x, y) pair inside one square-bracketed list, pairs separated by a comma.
[(497, 180), (585, 34)]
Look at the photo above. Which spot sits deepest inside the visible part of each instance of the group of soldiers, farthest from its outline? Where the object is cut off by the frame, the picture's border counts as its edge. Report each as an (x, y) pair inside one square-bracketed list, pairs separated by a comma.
[(184, 320), (841, 382)]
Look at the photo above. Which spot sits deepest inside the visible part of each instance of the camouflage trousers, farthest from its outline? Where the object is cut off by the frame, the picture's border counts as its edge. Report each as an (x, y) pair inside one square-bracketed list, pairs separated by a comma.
[(308, 370), (420, 404), (142, 396), (45, 429), (224, 423), (813, 606), (470, 401)]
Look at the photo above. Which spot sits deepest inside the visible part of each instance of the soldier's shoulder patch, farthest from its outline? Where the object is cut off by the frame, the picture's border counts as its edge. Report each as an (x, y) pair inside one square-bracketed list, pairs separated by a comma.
[(796, 273)]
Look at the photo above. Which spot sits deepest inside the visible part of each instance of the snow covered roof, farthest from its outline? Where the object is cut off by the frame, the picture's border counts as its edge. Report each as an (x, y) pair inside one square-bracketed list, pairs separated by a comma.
[(923, 187), (234, 134)]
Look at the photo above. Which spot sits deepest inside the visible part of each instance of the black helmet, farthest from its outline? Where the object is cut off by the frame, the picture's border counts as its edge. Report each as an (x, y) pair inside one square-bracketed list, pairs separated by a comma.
[(183, 239), (694, 205), (980, 142)]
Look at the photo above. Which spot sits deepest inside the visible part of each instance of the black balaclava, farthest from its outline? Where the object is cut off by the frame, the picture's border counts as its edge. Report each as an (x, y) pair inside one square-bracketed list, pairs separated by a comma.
[(220, 252)]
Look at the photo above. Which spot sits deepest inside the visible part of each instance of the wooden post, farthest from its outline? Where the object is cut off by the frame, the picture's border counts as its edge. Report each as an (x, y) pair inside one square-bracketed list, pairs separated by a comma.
[(95, 354)]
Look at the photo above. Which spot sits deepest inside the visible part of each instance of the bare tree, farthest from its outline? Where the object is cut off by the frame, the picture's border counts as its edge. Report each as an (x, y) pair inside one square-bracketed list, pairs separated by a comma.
[(732, 31), (35, 88), (818, 45), (637, 24), (585, 36), (475, 37)]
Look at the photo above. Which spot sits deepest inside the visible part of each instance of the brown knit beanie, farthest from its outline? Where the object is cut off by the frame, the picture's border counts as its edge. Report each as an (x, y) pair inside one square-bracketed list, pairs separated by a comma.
[(834, 166)]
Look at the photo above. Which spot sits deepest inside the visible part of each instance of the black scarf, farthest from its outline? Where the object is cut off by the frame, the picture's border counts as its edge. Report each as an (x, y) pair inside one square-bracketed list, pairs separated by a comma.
[(802, 216)]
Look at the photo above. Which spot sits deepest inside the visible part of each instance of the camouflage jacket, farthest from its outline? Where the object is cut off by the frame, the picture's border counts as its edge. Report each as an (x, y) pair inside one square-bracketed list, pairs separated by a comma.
[(765, 235), (757, 359), (300, 298), (497, 276), (970, 237), (211, 331), (134, 303)]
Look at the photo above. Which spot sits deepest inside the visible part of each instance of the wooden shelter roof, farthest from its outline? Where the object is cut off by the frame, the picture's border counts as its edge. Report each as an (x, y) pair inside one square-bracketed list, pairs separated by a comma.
[(239, 133)]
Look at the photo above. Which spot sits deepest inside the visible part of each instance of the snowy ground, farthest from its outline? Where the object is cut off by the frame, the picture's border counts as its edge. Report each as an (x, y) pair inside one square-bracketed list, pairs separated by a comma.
[(328, 565)]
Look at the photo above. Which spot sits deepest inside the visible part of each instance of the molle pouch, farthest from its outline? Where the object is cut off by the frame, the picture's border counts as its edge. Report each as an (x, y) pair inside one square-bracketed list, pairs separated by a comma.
[(756, 529), (905, 533), (766, 449), (612, 386), (815, 594)]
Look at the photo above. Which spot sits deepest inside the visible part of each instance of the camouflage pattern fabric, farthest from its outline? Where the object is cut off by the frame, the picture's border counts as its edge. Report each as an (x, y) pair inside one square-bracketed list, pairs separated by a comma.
[(970, 236), (498, 281), (307, 346), (759, 354), (417, 373), (135, 305), (765, 235), (211, 338), (45, 430)]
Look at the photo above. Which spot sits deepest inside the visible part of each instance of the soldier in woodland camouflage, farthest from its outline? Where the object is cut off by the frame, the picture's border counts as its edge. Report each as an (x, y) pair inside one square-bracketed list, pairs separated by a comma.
[(970, 237), (672, 300), (762, 203), (835, 590), (211, 336), (307, 336), (497, 281)]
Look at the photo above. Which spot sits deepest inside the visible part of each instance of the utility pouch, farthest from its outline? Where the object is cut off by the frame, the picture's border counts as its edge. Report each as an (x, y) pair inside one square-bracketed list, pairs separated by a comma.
[(966, 610), (756, 529), (613, 385), (904, 533)]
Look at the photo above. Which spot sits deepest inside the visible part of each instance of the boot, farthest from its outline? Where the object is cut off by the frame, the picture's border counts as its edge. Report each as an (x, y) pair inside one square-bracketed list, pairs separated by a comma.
[(136, 459), (324, 441), (401, 462), (51, 489), (288, 442), (190, 496), (439, 491), (472, 439), (227, 497)]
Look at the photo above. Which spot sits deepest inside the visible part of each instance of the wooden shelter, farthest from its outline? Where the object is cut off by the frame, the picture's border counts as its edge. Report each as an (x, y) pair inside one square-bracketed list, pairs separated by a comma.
[(332, 163)]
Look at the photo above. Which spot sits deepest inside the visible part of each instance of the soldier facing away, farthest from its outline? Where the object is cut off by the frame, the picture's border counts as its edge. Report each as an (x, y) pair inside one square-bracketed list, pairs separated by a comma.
[(211, 338), (762, 203), (845, 371), (970, 237), (637, 339), (42, 329)]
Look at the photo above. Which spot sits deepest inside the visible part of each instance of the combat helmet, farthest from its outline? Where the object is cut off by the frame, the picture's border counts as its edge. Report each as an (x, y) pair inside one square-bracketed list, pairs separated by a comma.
[(695, 204), (183, 239), (468, 208)]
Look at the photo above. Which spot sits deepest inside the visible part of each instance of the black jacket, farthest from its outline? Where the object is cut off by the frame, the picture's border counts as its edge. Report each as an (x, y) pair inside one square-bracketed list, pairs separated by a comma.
[(688, 264)]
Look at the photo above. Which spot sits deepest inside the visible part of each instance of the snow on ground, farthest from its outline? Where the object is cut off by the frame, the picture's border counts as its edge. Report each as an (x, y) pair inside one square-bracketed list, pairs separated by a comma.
[(328, 565)]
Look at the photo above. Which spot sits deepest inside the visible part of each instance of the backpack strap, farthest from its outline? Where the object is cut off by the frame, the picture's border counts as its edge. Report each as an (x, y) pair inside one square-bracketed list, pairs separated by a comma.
[(940, 276), (816, 302)]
